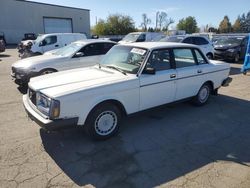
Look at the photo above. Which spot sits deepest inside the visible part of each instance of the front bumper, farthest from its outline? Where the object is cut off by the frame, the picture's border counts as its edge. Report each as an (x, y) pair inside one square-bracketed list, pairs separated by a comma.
[(21, 77), (225, 55), (47, 123)]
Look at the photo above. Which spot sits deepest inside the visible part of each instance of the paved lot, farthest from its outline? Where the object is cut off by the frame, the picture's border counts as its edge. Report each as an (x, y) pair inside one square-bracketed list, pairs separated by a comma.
[(175, 146)]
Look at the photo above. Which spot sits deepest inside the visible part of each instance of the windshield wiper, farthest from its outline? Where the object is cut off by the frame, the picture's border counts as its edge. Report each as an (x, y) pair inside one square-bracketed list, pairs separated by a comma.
[(116, 68)]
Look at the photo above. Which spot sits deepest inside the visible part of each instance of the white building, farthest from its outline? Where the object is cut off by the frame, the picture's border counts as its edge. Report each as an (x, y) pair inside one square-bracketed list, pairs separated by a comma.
[(18, 17)]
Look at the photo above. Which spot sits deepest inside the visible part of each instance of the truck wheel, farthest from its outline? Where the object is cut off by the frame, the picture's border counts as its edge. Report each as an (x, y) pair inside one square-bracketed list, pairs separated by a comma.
[(203, 95), (103, 121)]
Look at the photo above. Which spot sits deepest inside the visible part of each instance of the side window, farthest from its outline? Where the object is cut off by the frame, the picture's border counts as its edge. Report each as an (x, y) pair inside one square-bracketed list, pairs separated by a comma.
[(160, 60), (200, 58), (184, 58), (92, 49), (188, 40), (49, 40), (200, 41), (107, 47), (141, 38)]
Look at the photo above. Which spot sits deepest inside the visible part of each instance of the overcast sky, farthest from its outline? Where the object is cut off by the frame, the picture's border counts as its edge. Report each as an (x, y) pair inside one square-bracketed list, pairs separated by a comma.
[(206, 12)]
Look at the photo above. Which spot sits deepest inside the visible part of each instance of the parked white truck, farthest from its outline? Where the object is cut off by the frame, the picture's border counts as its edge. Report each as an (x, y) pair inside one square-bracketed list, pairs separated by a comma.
[(47, 42)]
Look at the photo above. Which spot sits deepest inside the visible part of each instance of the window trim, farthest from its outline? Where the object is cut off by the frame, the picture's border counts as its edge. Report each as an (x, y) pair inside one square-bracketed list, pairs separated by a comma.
[(171, 60)]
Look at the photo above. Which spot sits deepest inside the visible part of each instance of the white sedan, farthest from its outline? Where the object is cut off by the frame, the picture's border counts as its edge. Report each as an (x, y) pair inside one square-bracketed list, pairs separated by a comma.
[(82, 53), (130, 78)]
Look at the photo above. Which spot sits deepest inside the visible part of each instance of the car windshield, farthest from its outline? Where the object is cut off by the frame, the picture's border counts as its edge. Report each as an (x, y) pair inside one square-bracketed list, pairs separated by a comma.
[(126, 58), (131, 37), (228, 41), (68, 50), (172, 39)]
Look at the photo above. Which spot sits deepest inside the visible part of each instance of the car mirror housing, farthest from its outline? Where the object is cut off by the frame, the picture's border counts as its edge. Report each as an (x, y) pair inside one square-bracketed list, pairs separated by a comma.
[(79, 54), (149, 70)]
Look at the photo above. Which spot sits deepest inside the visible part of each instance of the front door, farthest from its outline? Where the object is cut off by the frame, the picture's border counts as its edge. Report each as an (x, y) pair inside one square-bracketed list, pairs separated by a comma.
[(91, 54), (50, 43), (159, 88)]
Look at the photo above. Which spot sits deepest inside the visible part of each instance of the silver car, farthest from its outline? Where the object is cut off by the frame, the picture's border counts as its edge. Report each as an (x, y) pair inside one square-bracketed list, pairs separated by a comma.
[(78, 54)]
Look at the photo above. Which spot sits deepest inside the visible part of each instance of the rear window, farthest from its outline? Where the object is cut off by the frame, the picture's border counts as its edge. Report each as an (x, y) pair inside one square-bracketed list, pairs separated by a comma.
[(200, 41), (188, 40)]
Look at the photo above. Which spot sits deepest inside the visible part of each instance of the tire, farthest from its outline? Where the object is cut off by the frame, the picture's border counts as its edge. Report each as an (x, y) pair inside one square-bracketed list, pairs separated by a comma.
[(47, 71), (203, 95), (103, 121), (210, 56), (236, 58)]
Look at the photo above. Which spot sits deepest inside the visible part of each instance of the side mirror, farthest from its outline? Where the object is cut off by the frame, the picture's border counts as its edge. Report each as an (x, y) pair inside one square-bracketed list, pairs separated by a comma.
[(43, 43), (79, 54), (148, 70), (95, 37)]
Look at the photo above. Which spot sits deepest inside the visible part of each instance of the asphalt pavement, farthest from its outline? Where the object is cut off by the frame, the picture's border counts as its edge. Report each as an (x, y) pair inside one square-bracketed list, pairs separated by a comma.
[(177, 145)]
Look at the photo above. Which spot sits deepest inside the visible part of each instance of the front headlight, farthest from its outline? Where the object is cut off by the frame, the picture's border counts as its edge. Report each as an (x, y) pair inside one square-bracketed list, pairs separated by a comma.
[(232, 50), (49, 107)]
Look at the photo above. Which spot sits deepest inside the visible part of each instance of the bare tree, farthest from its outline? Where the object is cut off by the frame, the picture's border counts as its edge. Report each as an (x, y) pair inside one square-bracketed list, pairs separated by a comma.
[(145, 22), (164, 21)]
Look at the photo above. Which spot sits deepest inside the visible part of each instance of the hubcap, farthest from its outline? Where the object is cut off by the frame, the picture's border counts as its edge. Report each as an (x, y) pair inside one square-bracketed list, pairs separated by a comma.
[(203, 94), (105, 123)]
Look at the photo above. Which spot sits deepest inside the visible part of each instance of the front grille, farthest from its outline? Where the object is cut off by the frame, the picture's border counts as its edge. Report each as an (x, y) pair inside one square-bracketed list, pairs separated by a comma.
[(32, 96), (221, 50)]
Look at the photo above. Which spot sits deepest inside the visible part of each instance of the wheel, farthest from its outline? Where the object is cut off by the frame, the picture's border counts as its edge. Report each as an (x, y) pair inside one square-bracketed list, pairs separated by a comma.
[(203, 95), (236, 58), (47, 71), (103, 121), (209, 56)]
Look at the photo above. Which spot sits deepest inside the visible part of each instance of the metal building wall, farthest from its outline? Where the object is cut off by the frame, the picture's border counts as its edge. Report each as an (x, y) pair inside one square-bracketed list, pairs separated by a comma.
[(18, 17)]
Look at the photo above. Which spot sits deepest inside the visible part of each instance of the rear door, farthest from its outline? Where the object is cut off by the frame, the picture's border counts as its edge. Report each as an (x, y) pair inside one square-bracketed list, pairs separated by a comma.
[(190, 72), (92, 54), (203, 44)]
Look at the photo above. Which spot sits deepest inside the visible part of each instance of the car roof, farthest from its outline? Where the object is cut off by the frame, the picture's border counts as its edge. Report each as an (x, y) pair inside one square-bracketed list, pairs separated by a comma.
[(91, 41), (157, 45), (49, 34)]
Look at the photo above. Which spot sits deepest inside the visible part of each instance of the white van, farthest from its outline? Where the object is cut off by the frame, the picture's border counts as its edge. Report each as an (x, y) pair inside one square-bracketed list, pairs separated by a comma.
[(142, 37), (52, 41)]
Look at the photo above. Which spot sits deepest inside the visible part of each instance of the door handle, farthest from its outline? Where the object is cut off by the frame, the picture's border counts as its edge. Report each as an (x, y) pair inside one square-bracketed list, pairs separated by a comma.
[(56, 45), (172, 75), (199, 71)]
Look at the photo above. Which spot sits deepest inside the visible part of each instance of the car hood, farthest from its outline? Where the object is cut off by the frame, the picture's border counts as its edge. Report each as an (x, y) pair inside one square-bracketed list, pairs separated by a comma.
[(225, 47), (66, 82), (27, 62)]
